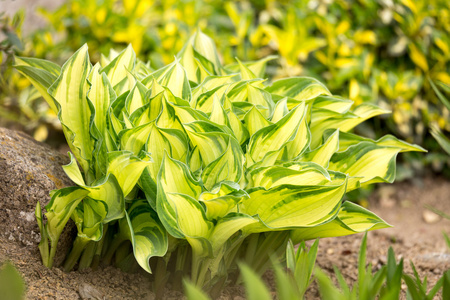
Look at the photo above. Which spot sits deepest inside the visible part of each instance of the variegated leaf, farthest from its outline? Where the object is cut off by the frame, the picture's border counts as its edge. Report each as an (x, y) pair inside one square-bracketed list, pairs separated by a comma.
[(290, 206), (299, 88), (274, 137), (146, 233), (41, 73), (351, 219), (372, 162), (75, 110), (117, 69)]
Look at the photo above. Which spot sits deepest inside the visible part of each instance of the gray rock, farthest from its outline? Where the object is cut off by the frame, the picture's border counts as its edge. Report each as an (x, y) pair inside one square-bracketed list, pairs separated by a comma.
[(29, 170)]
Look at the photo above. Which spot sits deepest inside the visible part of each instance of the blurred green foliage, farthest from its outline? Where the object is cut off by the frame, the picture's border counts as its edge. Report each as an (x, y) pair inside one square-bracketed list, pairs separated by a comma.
[(436, 132), (377, 51), (12, 285), (9, 31), (156, 29), (20, 104), (367, 50)]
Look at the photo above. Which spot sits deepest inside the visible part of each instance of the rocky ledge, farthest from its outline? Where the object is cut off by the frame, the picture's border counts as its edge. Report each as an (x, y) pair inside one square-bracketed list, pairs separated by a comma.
[(29, 170)]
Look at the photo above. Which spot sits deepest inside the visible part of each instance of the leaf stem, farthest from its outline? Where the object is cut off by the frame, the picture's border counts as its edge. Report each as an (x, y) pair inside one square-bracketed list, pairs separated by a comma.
[(53, 245), (200, 266), (88, 255), (78, 246), (116, 242), (99, 248), (271, 245)]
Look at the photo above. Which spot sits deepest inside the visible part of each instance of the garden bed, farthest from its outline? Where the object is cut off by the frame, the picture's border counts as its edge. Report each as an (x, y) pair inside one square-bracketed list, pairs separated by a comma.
[(400, 204)]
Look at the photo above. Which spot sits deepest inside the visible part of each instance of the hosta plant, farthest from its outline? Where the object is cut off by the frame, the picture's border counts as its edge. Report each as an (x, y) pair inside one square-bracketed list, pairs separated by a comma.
[(200, 165)]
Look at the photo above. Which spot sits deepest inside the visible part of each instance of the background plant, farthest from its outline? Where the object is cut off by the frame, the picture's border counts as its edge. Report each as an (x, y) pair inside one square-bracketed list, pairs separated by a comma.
[(376, 51), (21, 106)]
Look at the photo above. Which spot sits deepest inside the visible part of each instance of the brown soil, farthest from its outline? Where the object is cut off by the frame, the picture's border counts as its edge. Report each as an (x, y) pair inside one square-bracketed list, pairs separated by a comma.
[(402, 205)]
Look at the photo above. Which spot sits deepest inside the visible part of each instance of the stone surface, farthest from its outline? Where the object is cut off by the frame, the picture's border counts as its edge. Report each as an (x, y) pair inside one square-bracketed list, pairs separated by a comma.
[(87, 291), (29, 170)]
